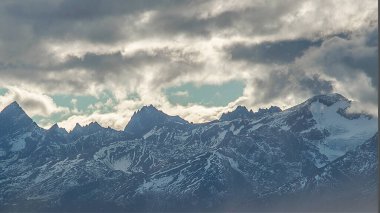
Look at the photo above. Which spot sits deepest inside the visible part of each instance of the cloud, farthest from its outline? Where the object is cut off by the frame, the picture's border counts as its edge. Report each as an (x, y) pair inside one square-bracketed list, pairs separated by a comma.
[(346, 64), (279, 52), (284, 87), (33, 103), (350, 63), (181, 94), (284, 51)]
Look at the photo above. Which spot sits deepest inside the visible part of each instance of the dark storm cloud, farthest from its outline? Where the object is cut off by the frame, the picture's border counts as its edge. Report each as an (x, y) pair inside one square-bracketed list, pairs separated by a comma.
[(279, 83), (270, 52), (92, 20)]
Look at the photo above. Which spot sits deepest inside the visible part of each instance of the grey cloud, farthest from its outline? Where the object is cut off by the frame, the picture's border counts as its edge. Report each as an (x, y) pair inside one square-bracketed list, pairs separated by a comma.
[(346, 61), (103, 63), (314, 68), (257, 19), (316, 85), (29, 26), (103, 68), (91, 20), (270, 52), (84, 9), (33, 104), (178, 64), (116, 63), (346, 57), (282, 82)]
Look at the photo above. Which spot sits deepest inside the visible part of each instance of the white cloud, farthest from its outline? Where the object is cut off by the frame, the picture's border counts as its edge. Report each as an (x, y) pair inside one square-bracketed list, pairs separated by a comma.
[(34, 103), (181, 94)]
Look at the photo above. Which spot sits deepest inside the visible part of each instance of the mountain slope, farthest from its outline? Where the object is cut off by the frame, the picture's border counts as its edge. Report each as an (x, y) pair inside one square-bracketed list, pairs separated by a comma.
[(352, 177), (246, 160)]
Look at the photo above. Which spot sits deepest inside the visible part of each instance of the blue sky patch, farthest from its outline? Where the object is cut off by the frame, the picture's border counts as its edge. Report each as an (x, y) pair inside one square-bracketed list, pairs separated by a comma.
[(207, 95)]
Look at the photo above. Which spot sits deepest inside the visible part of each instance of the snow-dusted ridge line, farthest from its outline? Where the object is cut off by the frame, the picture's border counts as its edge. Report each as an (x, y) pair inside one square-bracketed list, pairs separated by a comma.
[(181, 163), (152, 109)]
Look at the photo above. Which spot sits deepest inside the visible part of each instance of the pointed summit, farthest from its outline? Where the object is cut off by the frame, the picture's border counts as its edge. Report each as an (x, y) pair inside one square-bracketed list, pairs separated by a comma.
[(265, 111), (88, 129), (147, 118), (55, 126), (14, 104), (13, 118), (149, 109), (240, 112), (13, 108), (93, 127), (77, 128), (94, 124), (56, 135), (56, 129)]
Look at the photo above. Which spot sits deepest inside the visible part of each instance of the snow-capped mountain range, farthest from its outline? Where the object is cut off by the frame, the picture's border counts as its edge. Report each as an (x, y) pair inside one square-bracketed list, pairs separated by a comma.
[(315, 155)]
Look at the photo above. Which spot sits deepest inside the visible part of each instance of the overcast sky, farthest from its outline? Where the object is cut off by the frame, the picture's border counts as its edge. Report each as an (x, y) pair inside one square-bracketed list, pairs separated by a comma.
[(70, 61)]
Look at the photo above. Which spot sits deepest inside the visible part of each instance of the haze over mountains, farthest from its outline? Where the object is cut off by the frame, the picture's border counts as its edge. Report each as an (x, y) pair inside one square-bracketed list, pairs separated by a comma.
[(315, 156)]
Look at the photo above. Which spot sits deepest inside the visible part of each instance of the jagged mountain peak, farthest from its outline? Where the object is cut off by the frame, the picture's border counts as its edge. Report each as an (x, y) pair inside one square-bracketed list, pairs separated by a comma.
[(93, 124), (271, 109), (239, 112), (148, 117), (149, 108), (241, 108), (14, 104), (76, 128), (55, 126), (89, 128), (13, 117), (13, 108), (56, 129), (55, 135)]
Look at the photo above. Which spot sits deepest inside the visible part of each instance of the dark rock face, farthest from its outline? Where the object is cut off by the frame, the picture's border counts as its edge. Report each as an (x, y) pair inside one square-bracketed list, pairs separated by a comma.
[(13, 119), (270, 160)]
